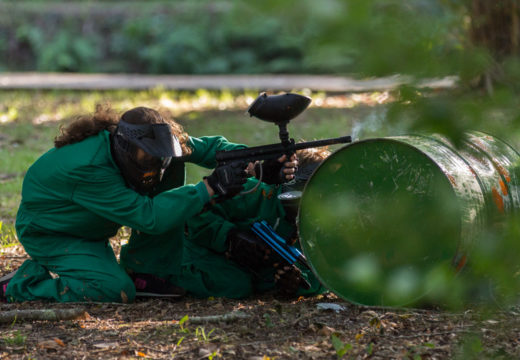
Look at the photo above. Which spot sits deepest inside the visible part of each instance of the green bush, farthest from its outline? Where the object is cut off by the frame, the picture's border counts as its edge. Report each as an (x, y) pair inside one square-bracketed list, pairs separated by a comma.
[(177, 37), (215, 37)]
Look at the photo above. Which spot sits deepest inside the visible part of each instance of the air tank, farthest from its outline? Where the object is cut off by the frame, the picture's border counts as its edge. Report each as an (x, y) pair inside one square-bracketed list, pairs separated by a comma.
[(379, 217)]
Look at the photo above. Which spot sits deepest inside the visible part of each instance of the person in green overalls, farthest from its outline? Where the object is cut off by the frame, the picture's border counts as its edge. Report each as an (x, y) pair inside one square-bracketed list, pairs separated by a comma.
[(223, 257), (107, 171)]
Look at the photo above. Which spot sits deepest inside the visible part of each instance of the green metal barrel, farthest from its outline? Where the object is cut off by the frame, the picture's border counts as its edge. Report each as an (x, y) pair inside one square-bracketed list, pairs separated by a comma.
[(380, 218)]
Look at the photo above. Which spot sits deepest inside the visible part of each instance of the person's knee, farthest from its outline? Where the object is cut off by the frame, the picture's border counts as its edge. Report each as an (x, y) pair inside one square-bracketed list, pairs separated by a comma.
[(235, 285), (117, 289)]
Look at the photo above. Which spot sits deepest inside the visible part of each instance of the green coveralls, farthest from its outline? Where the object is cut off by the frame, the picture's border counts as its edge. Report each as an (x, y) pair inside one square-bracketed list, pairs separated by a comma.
[(206, 271), (74, 199)]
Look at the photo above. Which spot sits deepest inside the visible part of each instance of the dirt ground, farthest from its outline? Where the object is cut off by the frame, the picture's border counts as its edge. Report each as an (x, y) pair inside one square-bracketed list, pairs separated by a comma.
[(267, 327)]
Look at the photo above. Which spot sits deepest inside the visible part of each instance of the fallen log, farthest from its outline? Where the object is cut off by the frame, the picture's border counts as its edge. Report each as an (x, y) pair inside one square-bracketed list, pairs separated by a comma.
[(42, 314)]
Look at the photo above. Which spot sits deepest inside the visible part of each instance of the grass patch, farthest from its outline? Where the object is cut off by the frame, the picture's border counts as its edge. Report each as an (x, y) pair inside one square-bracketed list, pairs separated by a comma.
[(7, 234)]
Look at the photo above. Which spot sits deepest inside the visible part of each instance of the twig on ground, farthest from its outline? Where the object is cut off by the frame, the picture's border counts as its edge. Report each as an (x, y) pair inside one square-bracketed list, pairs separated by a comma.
[(140, 345), (303, 317), (42, 314), (455, 331), (232, 316), (396, 309)]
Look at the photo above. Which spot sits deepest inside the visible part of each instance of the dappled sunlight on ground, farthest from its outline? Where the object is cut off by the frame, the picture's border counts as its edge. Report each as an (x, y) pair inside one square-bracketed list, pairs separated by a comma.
[(49, 107), (352, 100)]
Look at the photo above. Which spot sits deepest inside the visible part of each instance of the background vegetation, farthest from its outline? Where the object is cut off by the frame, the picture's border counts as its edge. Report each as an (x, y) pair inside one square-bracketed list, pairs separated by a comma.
[(474, 40), (155, 37)]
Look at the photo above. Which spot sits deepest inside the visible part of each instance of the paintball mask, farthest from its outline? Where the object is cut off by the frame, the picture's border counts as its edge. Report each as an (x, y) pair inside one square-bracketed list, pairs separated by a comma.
[(292, 190), (142, 153)]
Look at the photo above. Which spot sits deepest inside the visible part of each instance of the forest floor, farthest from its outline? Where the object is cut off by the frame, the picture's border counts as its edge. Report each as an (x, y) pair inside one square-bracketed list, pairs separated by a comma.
[(264, 327)]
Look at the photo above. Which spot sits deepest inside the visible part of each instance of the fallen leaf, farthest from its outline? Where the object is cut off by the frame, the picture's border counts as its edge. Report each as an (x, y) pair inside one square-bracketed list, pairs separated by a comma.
[(59, 342), (65, 290), (204, 352), (85, 316), (326, 331), (313, 327), (124, 297), (369, 313), (312, 348), (375, 322), (406, 316), (49, 345)]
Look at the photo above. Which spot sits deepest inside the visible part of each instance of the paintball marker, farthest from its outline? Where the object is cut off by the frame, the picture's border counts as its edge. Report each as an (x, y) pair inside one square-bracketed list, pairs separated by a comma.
[(278, 109), (287, 252)]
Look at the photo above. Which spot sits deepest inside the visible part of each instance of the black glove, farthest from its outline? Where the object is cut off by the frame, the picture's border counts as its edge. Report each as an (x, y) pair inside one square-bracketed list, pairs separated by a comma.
[(288, 279), (227, 180), (248, 250), (271, 171)]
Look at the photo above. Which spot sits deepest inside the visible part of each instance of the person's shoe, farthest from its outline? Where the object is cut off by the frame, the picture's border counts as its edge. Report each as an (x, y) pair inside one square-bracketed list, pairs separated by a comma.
[(4, 280), (148, 285)]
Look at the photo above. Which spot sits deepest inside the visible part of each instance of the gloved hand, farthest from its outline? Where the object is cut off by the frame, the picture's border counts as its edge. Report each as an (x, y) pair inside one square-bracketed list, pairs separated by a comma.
[(289, 279), (248, 250), (276, 171), (227, 180)]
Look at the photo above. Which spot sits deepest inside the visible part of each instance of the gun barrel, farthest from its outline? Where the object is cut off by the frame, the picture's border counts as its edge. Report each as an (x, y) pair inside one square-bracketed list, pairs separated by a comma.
[(275, 150), (324, 142)]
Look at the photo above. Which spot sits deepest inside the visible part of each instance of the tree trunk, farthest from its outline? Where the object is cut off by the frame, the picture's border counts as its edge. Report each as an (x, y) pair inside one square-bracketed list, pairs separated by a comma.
[(494, 25)]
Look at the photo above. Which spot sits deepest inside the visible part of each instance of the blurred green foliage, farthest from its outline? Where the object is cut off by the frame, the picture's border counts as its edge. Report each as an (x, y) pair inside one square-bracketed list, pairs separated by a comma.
[(364, 38), (419, 39), (367, 38), (157, 37)]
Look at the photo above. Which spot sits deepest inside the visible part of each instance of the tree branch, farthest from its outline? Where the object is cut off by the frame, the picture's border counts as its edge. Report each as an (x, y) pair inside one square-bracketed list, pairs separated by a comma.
[(232, 316), (42, 314)]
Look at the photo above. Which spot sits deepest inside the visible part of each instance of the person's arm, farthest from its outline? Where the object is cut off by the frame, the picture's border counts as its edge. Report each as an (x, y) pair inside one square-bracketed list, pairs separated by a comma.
[(274, 172), (105, 194), (210, 229), (204, 149)]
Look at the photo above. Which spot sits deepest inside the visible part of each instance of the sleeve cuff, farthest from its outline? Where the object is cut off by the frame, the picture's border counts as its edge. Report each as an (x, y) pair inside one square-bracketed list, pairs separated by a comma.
[(203, 192)]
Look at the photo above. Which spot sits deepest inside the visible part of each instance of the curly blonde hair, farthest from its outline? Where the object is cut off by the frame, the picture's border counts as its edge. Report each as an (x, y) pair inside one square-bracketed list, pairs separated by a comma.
[(105, 118), (312, 155)]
